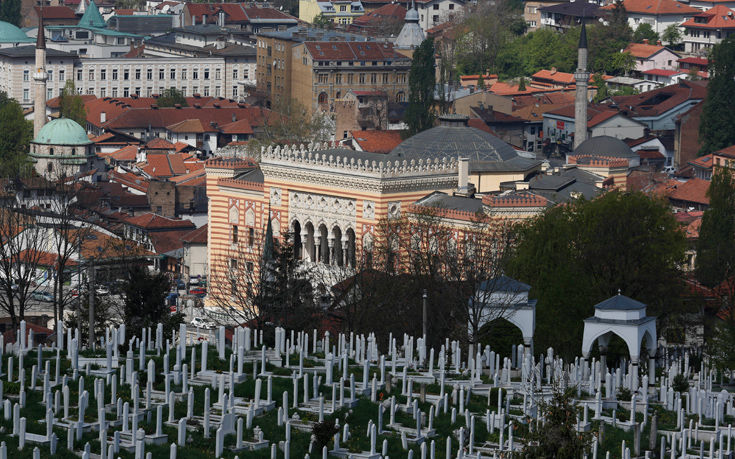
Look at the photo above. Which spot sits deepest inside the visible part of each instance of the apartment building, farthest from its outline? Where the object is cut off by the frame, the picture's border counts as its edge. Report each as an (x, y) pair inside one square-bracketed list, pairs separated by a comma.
[(17, 65)]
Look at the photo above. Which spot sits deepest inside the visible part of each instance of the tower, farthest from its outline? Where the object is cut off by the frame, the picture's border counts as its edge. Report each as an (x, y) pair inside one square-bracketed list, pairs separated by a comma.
[(581, 77), (39, 79)]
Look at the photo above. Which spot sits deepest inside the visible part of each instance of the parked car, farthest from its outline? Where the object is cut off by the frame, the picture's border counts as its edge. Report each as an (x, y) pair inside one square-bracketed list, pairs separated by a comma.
[(46, 297), (201, 322), (198, 291)]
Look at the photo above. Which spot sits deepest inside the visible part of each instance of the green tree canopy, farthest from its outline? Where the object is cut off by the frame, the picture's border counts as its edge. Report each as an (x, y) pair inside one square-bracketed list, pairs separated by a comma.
[(170, 97), (645, 32), (717, 124), (421, 82), (10, 12), (671, 35), (15, 136), (145, 301), (579, 254), (71, 105)]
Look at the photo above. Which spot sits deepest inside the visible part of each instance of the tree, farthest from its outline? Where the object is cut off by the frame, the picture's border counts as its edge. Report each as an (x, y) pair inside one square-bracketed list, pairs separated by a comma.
[(717, 126), (15, 137), (558, 438), (10, 12), (71, 105), (671, 35), (421, 82), (145, 301), (21, 260), (715, 266), (290, 123), (322, 22), (522, 84), (603, 91), (104, 311), (567, 256), (645, 32), (171, 97)]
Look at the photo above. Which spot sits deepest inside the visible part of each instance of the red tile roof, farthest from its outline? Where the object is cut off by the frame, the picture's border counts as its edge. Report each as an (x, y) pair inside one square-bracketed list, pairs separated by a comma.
[(661, 100), (392, 11), (164, 165), (166, 241), (508, 89), (55, 12), (351, 51), (193, 178), (643, 50), (555, 76), (128, 154), (130, 180), (377, 141), (158, 143), (694, 60), (655, 7), (717, 17), (703, 162), (237, 127), (197, 236), (124, 11), (727, 151), (693, 190), (596, 114), (136, 118), (663, 72), (151, 221)]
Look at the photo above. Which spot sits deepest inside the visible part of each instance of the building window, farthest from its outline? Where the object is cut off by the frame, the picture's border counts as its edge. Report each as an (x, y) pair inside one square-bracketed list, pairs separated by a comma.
[(137, 91), (73, 151), (183, 74), (251, 237), (49, 93), (103, 74), (362, 78), (114, 92), (206, 74), (62, 76), (338, 78), (137, 74), (234, 234), (373, 78), (149, 74), (385, 78), (90, 91), (234, 91), (401, 96), (206, 91), (323, 99), (103, 92), (323, 78), (26, 95), (91, 74), (126, 92), (51, 151), (435, 18), (26, 75), (50, 75), (79, 74), (195, 74), (217, 74), (161, 74), (234, 74)]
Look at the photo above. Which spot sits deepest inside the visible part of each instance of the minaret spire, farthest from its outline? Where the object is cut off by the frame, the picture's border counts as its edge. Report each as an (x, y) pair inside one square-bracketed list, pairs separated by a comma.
[(39, 78), (581, 77)]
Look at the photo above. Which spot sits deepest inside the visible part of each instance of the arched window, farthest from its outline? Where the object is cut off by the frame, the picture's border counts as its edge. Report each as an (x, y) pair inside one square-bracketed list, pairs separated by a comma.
[(51, 151), (401, 96), (323, 99), (50, 167), (73, 151)]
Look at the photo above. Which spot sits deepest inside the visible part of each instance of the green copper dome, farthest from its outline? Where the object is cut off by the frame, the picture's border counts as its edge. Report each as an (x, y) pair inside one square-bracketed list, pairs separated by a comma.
[(62, 131), (12, 34), (92, 17)]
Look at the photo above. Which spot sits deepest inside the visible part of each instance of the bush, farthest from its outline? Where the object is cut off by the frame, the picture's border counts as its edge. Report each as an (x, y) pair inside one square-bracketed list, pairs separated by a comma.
[(680, 384), (323, 432), (624, 394)]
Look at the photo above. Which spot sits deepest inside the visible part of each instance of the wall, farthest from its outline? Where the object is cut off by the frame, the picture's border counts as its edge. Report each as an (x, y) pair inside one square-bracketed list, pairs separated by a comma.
[(686, 138), (162, 197)]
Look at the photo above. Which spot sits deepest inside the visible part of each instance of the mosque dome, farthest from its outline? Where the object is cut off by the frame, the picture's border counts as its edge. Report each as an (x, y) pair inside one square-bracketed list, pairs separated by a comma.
[(62, 131), (12, 34), (604, 145), (453, 138)]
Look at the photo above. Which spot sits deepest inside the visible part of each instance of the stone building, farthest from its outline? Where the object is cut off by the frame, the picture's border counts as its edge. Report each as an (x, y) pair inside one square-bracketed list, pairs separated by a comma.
[(62, 149), (332, 200)]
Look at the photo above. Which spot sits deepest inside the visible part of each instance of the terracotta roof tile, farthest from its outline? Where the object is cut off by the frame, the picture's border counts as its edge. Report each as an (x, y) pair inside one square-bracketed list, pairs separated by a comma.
[(693, 190), (151, 221), (237, 127), (377, 141), (643, 50), (351, 51), (727, 151), (158, 143), (56, 12), (655, 7), (717, 17), (128, 154), (197, 236), (130, 180)]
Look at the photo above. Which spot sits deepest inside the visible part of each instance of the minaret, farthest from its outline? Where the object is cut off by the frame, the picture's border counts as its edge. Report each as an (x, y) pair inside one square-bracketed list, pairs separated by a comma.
[(39, 78), (582, 77)]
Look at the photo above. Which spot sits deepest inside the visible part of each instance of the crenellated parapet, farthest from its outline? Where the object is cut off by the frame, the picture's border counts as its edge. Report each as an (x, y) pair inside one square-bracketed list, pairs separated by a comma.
[(321, 156)]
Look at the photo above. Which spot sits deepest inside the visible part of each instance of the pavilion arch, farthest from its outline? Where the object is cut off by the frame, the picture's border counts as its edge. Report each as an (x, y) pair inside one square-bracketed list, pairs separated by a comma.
[(506, 298)]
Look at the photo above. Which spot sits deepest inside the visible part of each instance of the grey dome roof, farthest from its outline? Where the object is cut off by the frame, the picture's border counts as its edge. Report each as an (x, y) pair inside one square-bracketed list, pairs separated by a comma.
[(604, 145), (453, 138), (411, 34)]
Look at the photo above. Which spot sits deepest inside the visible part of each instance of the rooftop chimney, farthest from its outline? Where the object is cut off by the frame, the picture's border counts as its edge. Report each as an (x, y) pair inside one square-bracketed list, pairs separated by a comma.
[(463, 175)]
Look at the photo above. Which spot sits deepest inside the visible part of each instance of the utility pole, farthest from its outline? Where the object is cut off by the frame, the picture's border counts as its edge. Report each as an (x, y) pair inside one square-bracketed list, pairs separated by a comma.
[(425, 297)]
